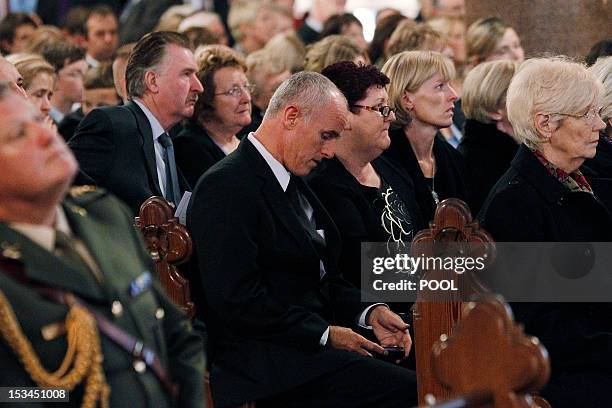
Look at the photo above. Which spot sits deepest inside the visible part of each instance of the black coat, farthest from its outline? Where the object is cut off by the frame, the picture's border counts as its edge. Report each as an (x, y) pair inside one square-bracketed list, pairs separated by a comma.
[(450, 171), (69, 124), (265, 305), (353, 213), (529, 205), (598, 171), (195, 152), (114, 146), (487, 154)]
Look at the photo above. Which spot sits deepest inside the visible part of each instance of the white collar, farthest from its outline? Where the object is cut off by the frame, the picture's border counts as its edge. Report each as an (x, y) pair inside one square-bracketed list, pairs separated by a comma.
[(280, 172), (156, 127), (42, 234)]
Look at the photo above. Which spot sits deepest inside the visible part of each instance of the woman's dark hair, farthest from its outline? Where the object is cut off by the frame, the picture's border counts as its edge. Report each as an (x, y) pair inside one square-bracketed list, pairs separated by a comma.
[(602, 48), (354, 80), (383, 31), (337, 23)]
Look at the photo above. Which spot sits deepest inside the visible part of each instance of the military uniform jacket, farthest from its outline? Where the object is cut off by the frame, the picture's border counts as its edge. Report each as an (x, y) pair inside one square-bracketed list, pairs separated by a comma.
[(105, 227)]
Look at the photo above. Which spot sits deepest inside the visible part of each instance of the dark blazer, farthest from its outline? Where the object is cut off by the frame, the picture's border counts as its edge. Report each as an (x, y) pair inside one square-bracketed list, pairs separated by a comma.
[(450, 171), (352, 211), (487, 153), (195, 152), (598, 171), (265, 305), (69, 124), (529, 205), (106, 229), (114, 146)]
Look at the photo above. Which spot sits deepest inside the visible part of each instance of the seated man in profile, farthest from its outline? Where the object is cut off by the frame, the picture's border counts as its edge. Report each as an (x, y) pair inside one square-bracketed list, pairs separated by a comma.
[(276, 306), (76, 287)]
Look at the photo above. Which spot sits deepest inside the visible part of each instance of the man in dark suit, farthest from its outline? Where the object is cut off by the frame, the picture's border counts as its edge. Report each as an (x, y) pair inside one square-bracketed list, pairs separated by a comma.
[(277, 308), (126, 149), (64, 289)]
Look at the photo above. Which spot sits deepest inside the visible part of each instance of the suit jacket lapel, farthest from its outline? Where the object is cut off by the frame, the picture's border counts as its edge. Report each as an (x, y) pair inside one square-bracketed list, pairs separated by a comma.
[(279, 204), (43, 267), (146, 136), (275, 196)]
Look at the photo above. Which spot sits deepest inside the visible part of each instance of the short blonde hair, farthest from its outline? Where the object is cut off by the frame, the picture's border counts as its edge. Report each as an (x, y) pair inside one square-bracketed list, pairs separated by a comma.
[(332, 49), (408, 37), (172, 18), (289, 50), (43, 37), (482, 37), (549, 86), (244, 12), (261, 65), (408, 71), (485, 89), (29, 66), (602, 69)]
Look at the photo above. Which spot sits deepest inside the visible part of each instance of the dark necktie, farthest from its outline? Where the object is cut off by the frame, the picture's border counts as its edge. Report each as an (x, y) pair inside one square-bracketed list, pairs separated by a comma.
[(173, 192), (65, 249), (295, 198)]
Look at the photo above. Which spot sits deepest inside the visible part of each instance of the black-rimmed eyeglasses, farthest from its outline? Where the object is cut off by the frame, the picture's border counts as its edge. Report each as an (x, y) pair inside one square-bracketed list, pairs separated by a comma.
[(385, 111)]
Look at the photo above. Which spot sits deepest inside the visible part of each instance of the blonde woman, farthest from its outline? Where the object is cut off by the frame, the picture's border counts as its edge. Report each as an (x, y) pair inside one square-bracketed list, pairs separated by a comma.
[(488, 143), (332, 49), (489, 39), (423, 99), (38, 81)]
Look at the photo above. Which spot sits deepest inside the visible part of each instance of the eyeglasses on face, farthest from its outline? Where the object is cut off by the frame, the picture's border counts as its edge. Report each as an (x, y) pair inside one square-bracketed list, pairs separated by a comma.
[(385, 111), (237, 90), (590, 116)]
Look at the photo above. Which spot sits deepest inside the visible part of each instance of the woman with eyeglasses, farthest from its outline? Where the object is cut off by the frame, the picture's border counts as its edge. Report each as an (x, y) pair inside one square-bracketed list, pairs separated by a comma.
[(221, 111), (369, 198), (423, 99), (554, 107)]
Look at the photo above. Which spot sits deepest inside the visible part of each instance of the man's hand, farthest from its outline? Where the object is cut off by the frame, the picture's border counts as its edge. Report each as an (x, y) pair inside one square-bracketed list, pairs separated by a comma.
[(346, 339), (389, 328)]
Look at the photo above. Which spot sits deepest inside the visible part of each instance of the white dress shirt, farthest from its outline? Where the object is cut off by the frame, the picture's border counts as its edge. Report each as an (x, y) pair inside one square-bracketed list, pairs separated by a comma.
[(157, 130)]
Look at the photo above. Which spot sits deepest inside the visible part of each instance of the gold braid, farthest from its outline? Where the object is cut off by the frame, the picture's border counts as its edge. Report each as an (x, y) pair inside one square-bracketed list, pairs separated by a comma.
[(83, 359)]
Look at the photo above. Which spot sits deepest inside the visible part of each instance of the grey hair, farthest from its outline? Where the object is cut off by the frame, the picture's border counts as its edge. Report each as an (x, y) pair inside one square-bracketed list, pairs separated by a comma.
[(308, 90), (147, 54)]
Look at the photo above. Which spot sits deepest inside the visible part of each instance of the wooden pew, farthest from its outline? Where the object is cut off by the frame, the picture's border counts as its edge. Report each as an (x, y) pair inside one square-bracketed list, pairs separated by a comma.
[(432, 319), (170, 245), (488, 361)]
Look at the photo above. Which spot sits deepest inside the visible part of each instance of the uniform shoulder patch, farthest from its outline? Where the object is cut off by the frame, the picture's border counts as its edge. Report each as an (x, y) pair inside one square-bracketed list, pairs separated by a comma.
[(80, 191)]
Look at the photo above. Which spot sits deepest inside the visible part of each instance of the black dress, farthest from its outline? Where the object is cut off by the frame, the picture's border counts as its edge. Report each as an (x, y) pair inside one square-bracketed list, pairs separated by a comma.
[(449, 178), (487, 153), (529, 205), (195, 152), (367, 214)]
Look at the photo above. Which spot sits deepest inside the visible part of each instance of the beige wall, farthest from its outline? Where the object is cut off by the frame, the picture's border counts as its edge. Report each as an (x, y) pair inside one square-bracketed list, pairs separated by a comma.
[(568, 27)]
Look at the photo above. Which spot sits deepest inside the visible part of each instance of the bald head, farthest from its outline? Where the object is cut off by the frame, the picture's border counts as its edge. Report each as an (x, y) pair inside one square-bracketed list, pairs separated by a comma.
[(9, 73)]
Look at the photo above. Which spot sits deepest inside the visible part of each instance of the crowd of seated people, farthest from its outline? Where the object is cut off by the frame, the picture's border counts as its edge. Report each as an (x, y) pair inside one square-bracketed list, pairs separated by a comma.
[(299, 141)]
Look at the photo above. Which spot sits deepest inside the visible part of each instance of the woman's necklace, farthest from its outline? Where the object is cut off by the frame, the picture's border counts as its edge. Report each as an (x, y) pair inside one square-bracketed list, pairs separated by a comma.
[(434, 195)]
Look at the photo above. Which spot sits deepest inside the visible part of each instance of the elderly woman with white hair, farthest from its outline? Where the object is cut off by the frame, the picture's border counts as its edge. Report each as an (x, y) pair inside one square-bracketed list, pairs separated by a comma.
[(554, 107)]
